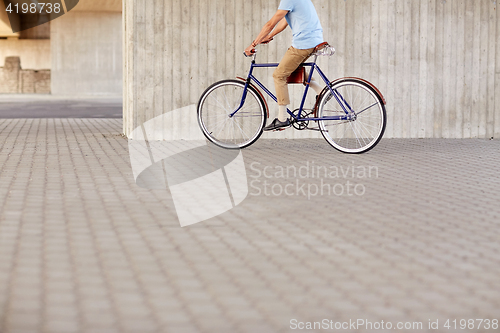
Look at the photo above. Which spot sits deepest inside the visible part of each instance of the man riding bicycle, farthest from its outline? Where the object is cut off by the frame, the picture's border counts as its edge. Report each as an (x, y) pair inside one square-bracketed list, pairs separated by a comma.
[(303, 19)]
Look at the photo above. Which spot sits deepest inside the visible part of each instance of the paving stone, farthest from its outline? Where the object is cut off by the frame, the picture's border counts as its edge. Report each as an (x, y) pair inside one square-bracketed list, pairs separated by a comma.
[(84, 249)]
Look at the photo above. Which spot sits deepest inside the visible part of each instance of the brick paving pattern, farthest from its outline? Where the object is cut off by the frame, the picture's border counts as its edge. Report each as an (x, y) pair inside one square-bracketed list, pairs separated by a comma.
[(84, 249)]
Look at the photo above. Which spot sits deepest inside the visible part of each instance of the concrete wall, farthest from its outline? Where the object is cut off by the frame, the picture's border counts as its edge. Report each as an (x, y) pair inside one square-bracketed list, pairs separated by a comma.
[(15, 80), (437, 62), (87, 53), (34, 54)]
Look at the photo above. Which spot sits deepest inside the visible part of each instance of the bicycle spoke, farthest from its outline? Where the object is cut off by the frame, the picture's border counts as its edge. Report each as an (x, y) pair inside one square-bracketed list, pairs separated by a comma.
[(225, 97), (367, 108), (220, 123), (369, 125), (225, 121), (216, 100), (355, 134), (241, 130), (363, 130), (343, 133)]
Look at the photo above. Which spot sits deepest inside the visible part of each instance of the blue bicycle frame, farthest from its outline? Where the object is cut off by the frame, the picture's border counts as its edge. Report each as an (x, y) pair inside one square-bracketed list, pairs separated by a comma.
[(349, 113)]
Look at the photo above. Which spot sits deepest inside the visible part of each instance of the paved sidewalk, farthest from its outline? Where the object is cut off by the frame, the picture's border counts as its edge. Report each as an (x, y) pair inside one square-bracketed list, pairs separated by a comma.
[(84, 249)]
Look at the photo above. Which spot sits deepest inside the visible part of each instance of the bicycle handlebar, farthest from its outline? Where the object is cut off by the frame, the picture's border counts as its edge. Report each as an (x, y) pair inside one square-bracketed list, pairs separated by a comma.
[(253, 54)]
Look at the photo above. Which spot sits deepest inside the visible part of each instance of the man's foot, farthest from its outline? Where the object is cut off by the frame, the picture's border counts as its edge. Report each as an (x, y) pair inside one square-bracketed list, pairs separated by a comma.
[(278, 125)]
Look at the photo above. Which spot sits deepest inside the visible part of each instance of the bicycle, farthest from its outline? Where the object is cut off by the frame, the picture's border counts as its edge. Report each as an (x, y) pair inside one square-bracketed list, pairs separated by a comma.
[(349, 112)]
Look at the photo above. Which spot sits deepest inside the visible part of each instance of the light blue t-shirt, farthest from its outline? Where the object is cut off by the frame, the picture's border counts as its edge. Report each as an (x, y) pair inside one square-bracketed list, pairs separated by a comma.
[(304, 21)]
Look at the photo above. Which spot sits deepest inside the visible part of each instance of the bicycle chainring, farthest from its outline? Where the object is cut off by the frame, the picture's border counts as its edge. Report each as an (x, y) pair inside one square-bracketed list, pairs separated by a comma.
[(302, 124)]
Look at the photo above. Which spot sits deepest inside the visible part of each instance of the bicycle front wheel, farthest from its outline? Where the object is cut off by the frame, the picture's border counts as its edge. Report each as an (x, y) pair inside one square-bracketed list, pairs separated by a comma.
[(215, 114), (364, 116)]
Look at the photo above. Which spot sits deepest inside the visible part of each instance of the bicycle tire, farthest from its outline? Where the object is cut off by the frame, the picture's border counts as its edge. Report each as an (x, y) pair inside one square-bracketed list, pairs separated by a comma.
[(220, 100), (365, 130)]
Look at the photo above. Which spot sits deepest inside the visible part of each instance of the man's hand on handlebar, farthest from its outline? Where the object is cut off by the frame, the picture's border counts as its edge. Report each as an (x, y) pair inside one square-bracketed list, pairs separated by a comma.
[(250, 51)]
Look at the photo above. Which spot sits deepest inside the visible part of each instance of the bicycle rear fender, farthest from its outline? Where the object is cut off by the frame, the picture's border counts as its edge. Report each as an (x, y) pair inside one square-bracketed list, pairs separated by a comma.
[(374, 88), (259, 92)]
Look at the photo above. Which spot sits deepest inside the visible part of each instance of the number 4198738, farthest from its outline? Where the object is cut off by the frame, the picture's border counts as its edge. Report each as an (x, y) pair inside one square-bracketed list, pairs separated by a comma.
[(472, 324), (33, 8)]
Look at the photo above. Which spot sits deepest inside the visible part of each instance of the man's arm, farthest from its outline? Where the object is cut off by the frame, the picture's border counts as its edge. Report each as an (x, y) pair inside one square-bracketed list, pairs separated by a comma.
[(279, 28), (268, 27)]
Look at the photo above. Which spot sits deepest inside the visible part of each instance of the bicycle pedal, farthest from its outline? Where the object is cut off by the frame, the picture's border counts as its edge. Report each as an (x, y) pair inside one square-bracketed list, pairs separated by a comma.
[(280, 129)]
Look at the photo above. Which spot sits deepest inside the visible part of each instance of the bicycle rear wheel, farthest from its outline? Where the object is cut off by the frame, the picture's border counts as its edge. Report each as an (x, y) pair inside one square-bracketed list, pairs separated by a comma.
[(367, 116), (216, 105)]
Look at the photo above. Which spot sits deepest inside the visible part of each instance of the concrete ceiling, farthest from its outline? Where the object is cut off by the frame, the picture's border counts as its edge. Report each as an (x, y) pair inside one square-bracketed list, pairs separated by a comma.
[(99, 6), (5, 29), (82, 6)]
